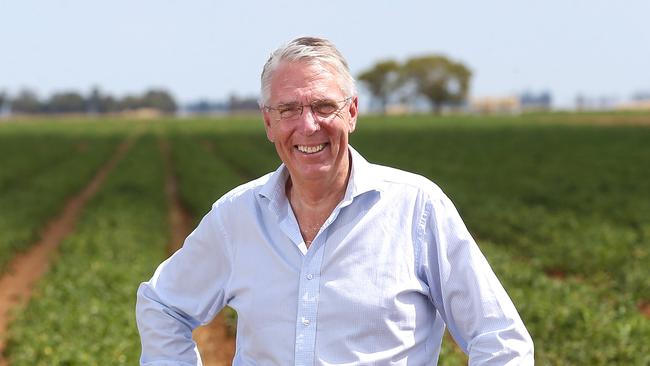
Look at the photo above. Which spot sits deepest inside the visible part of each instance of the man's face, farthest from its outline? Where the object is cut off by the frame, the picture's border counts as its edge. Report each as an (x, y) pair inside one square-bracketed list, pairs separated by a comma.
[(313, 147)]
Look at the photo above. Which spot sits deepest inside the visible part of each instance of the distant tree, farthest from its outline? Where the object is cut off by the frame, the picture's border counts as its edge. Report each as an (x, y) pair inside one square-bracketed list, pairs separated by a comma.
[(4, 103), (381, 80), (438, 79), (95, 102), (159, 99), (66, 102), (204, 106), (641, 96), (242, 104), (541, 102), (98, 102), (26, 102), (130, 102)]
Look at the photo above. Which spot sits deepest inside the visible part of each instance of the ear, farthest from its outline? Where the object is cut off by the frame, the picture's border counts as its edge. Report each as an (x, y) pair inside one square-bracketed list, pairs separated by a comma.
[(354, 112), (267, 125)]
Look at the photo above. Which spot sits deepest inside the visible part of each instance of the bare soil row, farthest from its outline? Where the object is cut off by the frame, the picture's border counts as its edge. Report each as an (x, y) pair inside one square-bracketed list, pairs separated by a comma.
[(26, 268), (216, 347), (215, 344)]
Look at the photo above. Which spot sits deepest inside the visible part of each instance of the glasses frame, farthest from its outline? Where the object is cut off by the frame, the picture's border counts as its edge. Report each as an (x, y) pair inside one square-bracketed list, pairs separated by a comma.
[(345, 102)]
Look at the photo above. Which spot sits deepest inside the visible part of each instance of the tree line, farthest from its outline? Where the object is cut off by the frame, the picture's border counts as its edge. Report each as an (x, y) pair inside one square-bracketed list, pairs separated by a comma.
[(95, 102), (436, 78)]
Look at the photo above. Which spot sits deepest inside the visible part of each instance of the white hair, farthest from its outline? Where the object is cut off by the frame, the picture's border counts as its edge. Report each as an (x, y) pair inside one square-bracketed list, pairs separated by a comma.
[(314, 51)]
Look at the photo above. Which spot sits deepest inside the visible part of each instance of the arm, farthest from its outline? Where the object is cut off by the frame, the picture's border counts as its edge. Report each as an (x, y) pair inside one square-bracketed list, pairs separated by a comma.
[(187, 290), (467, 294)]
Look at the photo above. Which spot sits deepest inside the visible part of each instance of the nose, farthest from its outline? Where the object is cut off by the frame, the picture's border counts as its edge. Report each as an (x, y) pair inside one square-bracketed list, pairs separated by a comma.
[(308, 123)]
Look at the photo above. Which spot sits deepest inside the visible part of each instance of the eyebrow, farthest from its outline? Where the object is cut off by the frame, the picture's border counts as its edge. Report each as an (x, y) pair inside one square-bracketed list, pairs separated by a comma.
[(287, 104), (323, 100), (295, 102), (322, 97)]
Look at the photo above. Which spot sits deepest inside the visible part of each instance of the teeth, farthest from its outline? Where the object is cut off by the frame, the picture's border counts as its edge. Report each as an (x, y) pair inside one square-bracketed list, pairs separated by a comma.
[(311, 149)]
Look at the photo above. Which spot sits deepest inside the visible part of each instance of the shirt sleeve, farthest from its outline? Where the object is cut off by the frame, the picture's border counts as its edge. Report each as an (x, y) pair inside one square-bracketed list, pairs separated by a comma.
[(467, 294), (187, 290)]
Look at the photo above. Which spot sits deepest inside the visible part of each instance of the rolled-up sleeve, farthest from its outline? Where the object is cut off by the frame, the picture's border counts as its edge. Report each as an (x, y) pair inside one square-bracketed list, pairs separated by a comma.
[(187, 290), (476, 308)]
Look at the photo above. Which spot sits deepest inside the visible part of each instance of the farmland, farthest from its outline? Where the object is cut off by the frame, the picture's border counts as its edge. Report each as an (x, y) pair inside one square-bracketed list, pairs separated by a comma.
[(559, 203)]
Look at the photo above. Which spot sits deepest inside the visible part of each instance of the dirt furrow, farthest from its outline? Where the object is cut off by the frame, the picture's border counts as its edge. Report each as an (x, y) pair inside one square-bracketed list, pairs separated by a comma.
[(234, 165), (215, 345), (26, 268)]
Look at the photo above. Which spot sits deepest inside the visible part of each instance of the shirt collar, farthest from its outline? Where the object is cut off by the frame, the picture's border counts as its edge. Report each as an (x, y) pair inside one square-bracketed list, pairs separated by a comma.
[(362, 180), (274, 188), (363, 176)]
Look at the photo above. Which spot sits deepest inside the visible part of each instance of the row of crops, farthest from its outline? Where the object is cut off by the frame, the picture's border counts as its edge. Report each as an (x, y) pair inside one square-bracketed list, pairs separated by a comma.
[(38, 173), (560, 210), (82, 312)]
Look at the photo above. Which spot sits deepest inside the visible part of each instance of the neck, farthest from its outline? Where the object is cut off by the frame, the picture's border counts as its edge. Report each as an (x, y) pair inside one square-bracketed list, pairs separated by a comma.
[(313, 202), (318, 194)]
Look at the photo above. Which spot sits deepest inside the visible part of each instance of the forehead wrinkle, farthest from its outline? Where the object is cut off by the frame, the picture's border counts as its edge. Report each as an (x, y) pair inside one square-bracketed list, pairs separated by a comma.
[(314, 82)]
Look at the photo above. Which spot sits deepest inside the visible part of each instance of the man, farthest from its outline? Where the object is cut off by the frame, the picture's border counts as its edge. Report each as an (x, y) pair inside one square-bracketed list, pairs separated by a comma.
[(330, 260)]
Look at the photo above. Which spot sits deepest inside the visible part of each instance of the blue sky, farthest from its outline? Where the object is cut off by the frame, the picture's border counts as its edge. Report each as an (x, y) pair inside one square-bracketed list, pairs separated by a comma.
[(209, 49)]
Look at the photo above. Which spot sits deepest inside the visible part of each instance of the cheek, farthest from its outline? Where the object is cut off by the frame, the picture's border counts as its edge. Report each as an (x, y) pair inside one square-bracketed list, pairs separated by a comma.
[(275, 133), (283, 140)]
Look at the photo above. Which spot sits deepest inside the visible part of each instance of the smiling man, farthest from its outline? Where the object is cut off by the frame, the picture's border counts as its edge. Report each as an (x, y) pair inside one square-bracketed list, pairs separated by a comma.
[(329, 260), (308, 115)]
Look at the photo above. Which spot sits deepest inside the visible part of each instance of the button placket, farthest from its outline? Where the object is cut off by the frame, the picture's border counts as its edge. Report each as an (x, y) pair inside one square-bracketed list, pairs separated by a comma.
[(307, 316)]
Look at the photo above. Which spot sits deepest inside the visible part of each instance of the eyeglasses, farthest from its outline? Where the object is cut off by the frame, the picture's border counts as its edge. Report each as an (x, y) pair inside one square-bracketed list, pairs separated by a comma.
[(322, 109)]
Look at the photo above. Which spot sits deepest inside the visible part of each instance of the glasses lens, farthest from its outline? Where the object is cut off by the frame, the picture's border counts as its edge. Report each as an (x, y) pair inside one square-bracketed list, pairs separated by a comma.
[(289, 111), (324, 108)]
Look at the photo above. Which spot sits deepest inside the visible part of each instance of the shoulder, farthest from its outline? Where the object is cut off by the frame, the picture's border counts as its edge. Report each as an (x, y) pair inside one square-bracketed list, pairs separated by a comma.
[(243, 193), (397, 180), (426, 197)]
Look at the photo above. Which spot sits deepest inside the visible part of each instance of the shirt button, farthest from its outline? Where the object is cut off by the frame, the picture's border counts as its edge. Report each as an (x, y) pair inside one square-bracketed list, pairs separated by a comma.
[(305, 322), (310, 276)]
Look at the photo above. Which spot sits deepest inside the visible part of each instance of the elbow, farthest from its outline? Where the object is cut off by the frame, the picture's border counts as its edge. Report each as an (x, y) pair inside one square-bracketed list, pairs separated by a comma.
[(528, 349), (143, 305), (512, 346), (523, 346)]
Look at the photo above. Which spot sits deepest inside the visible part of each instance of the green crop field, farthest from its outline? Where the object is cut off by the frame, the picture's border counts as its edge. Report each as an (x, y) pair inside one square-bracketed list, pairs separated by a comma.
[(559, 203), (39, 170)]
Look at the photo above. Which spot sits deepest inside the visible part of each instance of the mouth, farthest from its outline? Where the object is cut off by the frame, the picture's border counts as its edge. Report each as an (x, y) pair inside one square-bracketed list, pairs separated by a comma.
[(310, 149)]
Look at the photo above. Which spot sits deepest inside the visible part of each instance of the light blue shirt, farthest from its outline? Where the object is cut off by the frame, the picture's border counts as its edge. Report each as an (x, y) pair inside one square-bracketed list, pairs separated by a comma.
[(391, 266)]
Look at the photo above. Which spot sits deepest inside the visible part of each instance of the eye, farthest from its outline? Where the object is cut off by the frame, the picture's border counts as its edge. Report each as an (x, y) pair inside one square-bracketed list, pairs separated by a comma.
[(324, 107), (289, 110)]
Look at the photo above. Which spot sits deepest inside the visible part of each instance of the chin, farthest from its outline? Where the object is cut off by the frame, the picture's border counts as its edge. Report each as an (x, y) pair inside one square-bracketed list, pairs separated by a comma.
[(313, 172)]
